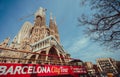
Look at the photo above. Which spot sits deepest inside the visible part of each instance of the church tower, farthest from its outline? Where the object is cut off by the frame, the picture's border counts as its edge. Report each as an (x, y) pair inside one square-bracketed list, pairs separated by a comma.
[(56, 34), (53, 28), (51, 25), (38, 31)]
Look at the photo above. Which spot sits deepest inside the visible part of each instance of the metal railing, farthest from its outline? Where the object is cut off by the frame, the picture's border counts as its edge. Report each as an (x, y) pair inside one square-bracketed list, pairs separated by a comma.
[(8, 55)]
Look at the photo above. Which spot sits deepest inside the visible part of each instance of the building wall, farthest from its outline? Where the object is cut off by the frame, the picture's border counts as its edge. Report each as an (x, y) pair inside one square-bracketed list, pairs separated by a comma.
[(106, 65)]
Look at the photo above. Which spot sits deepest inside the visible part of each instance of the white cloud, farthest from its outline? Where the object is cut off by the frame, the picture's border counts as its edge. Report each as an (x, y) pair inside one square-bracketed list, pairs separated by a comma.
[(87, 50), (79, 44)]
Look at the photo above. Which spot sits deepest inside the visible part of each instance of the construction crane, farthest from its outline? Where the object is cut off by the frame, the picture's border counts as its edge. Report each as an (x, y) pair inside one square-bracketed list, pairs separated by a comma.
[(30, 15), (25, 17)]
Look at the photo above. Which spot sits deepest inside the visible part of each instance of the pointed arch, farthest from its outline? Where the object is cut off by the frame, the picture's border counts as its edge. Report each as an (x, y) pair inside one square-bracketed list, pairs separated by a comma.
[(42, 56), (53, 56), (32, 59)]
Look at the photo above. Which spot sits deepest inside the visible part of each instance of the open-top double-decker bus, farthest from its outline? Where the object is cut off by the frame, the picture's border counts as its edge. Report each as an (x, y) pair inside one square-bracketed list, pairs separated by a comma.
[(36, 52), (17, 67)]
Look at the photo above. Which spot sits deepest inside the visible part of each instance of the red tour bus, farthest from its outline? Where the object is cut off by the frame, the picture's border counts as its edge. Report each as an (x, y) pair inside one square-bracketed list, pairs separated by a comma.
[(74, 68)]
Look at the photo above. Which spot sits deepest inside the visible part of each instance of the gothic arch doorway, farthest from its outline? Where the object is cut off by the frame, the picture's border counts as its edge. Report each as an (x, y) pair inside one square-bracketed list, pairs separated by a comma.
[(42, 57), (53, 56), (32, 59)]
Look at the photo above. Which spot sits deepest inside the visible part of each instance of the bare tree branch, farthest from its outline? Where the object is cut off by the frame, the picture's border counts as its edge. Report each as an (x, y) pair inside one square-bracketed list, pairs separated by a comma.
[(104, 26)]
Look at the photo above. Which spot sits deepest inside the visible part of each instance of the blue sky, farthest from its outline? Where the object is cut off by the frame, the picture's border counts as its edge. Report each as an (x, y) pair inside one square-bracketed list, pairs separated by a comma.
[(66, 12)]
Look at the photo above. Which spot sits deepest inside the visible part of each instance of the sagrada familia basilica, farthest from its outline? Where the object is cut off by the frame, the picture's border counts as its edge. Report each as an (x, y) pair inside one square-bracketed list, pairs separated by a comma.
[(36, 38)]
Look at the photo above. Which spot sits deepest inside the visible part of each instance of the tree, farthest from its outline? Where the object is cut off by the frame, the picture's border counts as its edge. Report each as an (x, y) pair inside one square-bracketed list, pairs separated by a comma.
[(104, 24)]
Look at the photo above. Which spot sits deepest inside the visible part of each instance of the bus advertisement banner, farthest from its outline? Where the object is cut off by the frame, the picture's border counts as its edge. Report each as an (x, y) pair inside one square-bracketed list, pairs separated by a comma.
[(32, 70)]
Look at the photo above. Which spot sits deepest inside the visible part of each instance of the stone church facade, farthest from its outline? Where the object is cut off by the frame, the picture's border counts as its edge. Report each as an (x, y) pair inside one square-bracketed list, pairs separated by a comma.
[(37, 38)]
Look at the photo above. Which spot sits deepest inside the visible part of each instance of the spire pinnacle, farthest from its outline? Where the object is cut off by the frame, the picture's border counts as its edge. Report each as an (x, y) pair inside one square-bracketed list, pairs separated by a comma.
[(40, 12), (51, 15), (55, 20)]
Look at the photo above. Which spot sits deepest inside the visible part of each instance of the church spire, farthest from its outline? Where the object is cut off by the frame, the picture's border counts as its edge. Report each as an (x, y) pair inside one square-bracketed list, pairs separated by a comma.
[(40, 12), (51, 24), (56, 30), (51, 16), (55, 25), (40, 17)]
